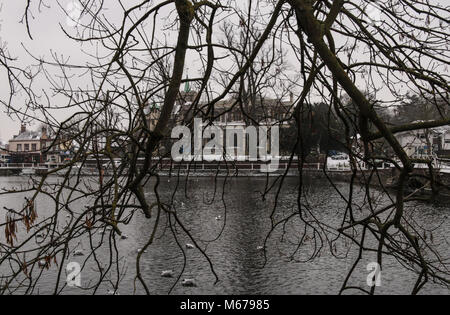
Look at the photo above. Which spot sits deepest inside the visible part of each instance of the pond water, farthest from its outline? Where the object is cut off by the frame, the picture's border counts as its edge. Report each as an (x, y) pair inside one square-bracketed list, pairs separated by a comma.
[(230, 229)]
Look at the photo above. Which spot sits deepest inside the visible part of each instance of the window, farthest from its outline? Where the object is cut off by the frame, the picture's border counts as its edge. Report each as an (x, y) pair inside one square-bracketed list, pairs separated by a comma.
[(447, 141), (26, 147), (33, 147), (19, 148)]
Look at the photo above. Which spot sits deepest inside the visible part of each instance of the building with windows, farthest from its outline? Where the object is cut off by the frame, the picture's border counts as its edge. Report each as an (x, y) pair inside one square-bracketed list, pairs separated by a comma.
[(25, 147), (443, 147), (37, 147), (4, 154), (52, 151), (425, 143), (228, 114)]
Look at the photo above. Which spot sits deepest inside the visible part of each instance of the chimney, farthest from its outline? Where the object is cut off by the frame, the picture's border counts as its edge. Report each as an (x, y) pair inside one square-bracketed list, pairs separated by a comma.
[(23, 128), (44, 131), (291, 97)]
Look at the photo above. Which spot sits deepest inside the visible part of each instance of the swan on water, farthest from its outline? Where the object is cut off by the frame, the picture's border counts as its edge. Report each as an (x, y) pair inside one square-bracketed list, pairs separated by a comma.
[(167, 273), (140, 250), (189, 246), (188, 283), (219, 217), (260, 248)]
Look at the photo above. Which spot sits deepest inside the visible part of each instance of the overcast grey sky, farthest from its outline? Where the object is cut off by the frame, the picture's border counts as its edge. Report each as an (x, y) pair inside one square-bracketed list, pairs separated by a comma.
[(48, 38)]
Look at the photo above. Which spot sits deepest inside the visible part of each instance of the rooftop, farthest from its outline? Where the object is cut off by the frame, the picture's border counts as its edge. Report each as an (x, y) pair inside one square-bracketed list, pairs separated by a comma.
[(28, 136)]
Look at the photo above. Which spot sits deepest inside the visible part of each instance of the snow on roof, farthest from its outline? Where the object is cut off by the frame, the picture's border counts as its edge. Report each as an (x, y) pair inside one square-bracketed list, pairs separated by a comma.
[(28, 136)]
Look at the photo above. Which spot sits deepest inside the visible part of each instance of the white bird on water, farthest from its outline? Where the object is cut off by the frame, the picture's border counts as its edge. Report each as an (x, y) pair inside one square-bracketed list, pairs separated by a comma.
[(189, 246), (167, 273)]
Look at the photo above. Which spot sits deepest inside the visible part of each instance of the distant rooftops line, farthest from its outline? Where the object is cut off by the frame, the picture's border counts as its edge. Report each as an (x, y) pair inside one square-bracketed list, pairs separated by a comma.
[(28, 135)]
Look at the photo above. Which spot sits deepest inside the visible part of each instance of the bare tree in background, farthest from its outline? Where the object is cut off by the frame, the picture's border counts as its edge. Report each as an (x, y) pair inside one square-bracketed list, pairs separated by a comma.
[(336, 48)]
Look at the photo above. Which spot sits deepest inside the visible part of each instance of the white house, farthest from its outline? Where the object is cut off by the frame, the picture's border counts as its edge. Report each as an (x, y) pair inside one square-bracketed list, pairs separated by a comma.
[(425, 143), (4, 154)]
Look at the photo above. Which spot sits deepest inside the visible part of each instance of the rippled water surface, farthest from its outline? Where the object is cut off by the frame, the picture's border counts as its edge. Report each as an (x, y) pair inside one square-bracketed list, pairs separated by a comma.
[(231, 242)]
